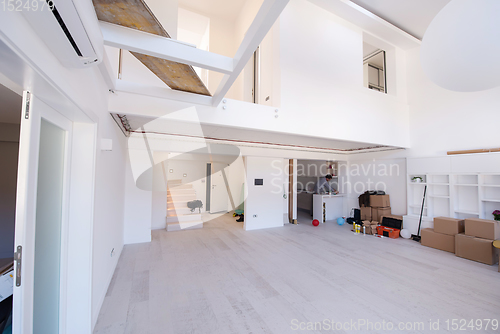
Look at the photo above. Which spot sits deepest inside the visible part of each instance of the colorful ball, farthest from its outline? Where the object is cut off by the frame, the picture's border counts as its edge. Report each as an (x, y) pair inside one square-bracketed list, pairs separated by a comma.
[(315, 222)]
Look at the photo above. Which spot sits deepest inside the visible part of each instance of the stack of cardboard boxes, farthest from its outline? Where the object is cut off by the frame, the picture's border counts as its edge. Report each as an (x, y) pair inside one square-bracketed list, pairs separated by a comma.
[(477, 242), (370, 227), (442, 236), (468, 238), (371, 216), (379, 206)]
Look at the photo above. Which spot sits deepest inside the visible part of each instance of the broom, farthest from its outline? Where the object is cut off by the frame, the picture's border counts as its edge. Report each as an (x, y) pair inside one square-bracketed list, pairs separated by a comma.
[(417, 236)]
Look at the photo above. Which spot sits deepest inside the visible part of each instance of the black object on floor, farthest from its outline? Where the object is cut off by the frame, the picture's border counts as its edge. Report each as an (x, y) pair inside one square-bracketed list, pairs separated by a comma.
[(241, 219), (5, 312), (357, 214), (418, 237), (196, 204)]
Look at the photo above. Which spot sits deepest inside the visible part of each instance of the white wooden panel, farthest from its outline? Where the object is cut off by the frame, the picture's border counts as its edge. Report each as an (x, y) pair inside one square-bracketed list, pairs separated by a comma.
[(411, 223), (476, 163), (428, 165), (263, 205)]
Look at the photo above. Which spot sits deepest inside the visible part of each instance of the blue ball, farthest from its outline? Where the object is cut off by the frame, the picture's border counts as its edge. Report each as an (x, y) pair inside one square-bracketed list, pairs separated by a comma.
[(340, 221)]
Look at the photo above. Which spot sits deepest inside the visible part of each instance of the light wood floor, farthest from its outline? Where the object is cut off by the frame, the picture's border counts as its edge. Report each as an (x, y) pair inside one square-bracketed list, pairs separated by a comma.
[(221, 279)]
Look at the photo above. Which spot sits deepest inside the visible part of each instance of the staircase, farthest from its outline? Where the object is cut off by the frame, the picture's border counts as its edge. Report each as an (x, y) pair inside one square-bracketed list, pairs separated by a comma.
[(179, 216)]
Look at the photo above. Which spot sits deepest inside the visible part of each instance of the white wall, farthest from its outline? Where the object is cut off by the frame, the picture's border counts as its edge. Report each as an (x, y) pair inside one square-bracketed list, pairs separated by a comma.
[(223, 42), (264, 204), (196, 172), (159, 193), (166, 13), (138, 204), (322, 80), (388, 175), (442, 120), (236, 179), (9, 149)]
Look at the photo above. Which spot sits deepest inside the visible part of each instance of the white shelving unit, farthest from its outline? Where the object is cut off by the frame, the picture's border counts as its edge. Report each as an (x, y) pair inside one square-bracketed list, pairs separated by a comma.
[(460, 186), (489, 194), (458, 195)]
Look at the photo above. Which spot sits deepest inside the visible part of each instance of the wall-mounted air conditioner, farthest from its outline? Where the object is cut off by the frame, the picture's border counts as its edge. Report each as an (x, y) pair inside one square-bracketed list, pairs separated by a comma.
[(70, 30)]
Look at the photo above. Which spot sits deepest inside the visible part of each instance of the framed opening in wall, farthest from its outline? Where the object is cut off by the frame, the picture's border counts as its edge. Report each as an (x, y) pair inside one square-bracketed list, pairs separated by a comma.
[(374, 68)]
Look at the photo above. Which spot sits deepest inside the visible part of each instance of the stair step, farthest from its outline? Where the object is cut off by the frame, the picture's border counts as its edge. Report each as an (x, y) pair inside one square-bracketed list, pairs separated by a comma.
[(180, 186), (183, 218), (176, 204), (179, 198), (184, 225), (181, 191), (176, 211)]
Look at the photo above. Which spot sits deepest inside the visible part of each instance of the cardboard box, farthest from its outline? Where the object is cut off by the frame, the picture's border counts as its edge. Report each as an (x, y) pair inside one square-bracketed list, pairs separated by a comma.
[(431, 238), (366, 223), (368, 229), (379, 201), (366, 213), (475, 249), (450, 226), (378, 213), (374, 222), (482, 228)]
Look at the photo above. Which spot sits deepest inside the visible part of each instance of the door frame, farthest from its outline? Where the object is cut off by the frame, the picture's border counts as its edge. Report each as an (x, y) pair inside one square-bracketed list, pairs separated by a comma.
[(33, 110), (77, 218)]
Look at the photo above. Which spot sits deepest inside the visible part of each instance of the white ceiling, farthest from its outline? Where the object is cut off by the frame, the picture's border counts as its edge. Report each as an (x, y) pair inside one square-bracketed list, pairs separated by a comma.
[(10, 106), (228, 9), (412, 16), (171, 127)]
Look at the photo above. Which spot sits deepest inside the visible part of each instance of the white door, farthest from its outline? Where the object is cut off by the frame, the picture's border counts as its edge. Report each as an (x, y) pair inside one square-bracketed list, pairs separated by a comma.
[(218, 193), (41, 219)]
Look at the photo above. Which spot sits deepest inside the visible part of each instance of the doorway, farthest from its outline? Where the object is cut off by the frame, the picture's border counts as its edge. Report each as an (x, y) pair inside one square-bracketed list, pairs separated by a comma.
[(217, 187), (10, 118), (53, 222)]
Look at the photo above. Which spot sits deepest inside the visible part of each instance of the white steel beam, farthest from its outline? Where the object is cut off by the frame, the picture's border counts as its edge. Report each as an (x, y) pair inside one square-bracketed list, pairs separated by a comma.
[(264, 20), (165, 48), (107, 72), (161, 92)]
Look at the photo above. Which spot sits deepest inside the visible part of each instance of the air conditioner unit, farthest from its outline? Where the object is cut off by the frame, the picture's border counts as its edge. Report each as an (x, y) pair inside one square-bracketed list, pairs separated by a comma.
[(70, 30)]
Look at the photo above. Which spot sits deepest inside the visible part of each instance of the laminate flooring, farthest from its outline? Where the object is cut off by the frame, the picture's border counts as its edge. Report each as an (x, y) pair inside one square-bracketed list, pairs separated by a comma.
[(222, 279)]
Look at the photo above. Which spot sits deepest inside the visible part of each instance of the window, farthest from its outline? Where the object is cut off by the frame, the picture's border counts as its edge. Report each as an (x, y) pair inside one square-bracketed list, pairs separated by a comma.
[(374, 76)]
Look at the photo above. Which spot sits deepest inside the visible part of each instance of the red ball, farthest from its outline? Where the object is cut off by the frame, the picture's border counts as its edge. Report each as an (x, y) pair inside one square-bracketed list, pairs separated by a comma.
[(315, 222)]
